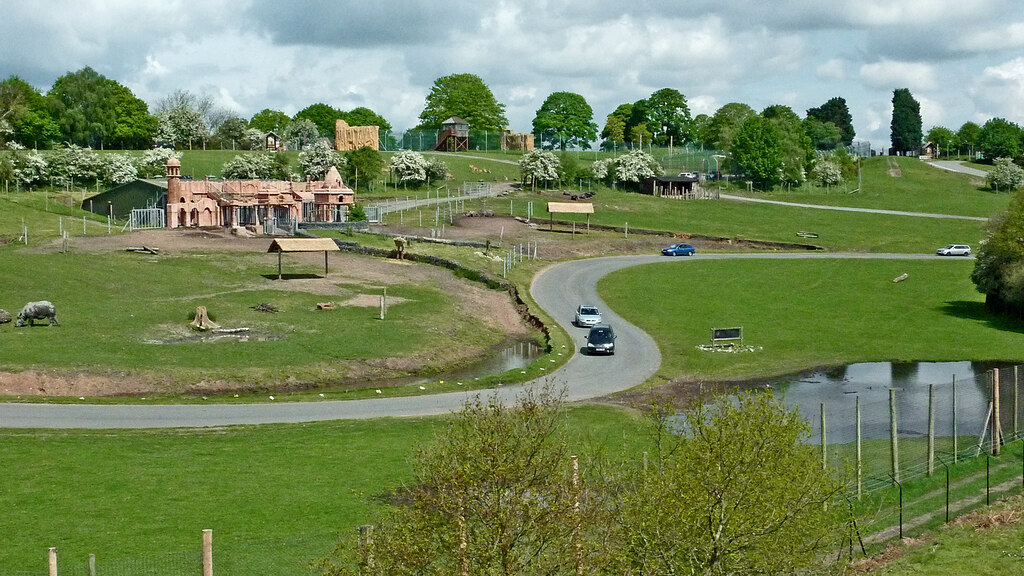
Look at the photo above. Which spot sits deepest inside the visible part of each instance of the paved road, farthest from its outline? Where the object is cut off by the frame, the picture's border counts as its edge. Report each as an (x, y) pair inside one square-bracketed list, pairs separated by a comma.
[(955, 166), (851, 208), (558, 290)]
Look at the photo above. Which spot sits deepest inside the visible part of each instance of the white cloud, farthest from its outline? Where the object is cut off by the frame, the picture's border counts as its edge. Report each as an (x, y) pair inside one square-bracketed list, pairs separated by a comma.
[(999, 90), (833, 69), (889, 74)]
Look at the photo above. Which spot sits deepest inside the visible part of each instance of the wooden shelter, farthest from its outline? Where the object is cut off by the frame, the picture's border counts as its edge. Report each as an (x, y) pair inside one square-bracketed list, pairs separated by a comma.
[(569, 208), (282, 245)]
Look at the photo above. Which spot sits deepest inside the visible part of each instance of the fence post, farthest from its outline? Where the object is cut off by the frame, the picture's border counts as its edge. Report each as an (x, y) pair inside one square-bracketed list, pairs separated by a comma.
[(53, 561), (577, 522), (859, 461), (207, 552), (365, 545), (824, 450), (894, 440), (956, 438), (997, 431), (931, 429), (92, 565), (1016, 406)]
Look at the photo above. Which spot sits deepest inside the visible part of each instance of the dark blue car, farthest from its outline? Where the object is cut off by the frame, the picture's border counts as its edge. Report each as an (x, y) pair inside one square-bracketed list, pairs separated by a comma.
[(679, 250)]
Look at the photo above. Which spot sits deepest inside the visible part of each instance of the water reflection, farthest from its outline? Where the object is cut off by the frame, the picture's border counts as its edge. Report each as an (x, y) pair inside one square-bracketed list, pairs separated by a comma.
[(839, 388)]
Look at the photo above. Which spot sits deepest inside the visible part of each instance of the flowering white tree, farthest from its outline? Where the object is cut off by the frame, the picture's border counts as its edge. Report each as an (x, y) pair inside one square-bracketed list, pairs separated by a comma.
[(603, 168), (119, 168), (436, 170), (1005, 175), (827, 172), (302, 134), (249, 167), (75, 164), (409, 166), (182, 125), (252, 139), (539, 165), (31, 168), (153, 162), (636, 166), (316, 161)]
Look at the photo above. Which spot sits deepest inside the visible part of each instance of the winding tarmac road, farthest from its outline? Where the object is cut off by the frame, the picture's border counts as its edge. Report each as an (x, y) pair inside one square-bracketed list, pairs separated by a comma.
[(558, 290)]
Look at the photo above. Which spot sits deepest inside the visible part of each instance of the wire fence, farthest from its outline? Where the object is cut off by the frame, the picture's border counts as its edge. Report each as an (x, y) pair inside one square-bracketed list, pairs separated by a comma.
[(881, 435)]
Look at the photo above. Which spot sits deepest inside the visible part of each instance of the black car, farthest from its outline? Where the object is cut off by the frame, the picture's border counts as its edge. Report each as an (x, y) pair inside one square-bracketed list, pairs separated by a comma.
[(601, 340)]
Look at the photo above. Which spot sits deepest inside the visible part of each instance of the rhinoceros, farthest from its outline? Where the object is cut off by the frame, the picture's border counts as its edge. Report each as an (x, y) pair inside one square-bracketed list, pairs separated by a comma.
[(33, 311)]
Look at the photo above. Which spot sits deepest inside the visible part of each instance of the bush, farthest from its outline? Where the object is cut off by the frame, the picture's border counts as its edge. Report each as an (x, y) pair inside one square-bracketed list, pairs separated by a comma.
[(316, 161), (409, 167), (1005, 175), (261, 166)]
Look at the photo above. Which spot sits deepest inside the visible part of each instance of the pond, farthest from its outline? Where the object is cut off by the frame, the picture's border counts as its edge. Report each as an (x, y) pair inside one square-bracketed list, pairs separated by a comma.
[(839, 388)]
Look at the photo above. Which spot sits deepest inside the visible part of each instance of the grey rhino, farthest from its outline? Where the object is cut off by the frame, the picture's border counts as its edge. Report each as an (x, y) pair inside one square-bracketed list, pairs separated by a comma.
[(33, 311)]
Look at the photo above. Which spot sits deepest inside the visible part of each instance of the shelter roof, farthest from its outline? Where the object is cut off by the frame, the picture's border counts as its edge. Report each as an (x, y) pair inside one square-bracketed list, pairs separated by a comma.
[(570, 208), (454, 120), (303, 245)]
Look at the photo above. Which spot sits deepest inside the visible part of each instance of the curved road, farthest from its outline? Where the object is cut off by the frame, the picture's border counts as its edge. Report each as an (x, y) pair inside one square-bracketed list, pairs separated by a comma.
[(558, 290)]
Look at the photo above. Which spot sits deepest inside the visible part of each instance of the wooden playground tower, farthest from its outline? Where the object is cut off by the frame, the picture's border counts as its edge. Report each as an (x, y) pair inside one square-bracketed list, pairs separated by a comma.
[(454, 135)]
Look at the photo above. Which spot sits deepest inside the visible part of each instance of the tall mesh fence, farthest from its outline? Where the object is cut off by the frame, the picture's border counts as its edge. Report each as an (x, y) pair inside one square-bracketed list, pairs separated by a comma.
[(877, 435)]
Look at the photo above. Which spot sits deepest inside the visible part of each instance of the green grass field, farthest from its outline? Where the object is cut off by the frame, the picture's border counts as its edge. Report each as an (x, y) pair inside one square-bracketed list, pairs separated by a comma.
[(918, 188), (803, 314), (113, 306), (275, 496)]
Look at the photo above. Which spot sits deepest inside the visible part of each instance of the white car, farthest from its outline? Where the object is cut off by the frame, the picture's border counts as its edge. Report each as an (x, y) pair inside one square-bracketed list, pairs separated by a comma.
[(587, 315), (954, 250)]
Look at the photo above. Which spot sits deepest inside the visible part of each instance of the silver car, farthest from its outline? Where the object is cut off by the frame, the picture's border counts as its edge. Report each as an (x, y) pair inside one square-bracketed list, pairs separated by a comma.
[(587, 315), (954, 250)]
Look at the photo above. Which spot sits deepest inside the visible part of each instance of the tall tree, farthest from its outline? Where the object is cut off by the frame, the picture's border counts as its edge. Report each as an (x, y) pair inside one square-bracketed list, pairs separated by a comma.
[(134, 127), (906, 121), (268, 120), (969, 135), (726, 122), (565, 119), (700, 131), (795, 145), (732, 489), (362, 166), (943, 138), (323, 116), (823, 135), (756, 150), (669, 115), (363, 116), (836, 112), (997, 270), (615, 125), (82, 102), (25, 112), (1000, 138), (467, 97), (209, 112)]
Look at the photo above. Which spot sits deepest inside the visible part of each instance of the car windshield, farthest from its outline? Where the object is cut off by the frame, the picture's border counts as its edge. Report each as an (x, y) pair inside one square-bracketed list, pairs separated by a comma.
[(588, 311), (601, 336)]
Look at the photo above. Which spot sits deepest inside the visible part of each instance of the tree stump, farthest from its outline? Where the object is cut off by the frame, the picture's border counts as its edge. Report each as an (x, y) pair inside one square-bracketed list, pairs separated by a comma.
[(202, 321)]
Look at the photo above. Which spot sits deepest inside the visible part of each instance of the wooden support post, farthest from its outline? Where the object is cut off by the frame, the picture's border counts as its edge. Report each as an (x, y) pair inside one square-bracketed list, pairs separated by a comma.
[(931, 429), (207, 552), (577, 521), (53, 561), (824, 441), (279, 264), (997, 429), (1016, 405), (325, 264), (860, 467), (956, 437), (366, 545), (92, 565), (893, 436)]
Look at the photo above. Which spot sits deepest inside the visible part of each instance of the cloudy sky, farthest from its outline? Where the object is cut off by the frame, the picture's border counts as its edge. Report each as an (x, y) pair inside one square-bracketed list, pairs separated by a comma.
[(963, 61)]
